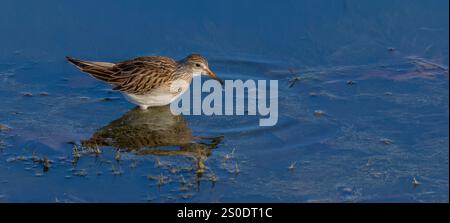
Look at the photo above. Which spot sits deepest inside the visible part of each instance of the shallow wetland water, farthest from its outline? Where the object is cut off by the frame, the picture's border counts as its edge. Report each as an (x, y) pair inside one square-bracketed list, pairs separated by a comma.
[(363, 104)]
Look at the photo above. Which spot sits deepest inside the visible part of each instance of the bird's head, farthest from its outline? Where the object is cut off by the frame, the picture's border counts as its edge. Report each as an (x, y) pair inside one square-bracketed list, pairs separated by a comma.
[(199, 65)]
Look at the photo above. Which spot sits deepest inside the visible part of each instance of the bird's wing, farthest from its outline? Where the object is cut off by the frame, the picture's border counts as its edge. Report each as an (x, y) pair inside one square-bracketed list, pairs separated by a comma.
[(137, 76)]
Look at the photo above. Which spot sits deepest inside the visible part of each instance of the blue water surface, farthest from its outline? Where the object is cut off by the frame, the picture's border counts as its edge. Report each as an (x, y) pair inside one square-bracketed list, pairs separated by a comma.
[(363, 102)]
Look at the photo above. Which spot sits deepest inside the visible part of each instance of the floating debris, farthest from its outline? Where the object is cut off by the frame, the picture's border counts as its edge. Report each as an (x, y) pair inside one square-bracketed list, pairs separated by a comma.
[(133, 164), (350, 82), (158, 163), (386, 141), (16, 158), (109, 99), (291, 167), (38, 174), (415, 182), (46, 162), (293, 81), (424, 64), (27, 94), (182, 181), (173, 170), (43, 93), (11, 159), (81, 173), (161, 179), (347, 189), (214, 178), (229, 156), (116, 171), (377, 174), (186, 169), (319, 113), (4, 127), (187, 196), (391, 49), (35, 157), (183, 189)]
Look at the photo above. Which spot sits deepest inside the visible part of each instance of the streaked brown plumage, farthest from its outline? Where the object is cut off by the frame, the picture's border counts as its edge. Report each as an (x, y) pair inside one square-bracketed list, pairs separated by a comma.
[(147, 80)]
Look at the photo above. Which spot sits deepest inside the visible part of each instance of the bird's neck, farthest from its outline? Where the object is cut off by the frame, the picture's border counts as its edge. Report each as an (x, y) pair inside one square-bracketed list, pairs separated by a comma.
[(184, 73)]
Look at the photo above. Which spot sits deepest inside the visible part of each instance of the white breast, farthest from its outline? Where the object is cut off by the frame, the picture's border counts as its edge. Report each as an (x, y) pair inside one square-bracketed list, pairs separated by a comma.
[(158, 97)]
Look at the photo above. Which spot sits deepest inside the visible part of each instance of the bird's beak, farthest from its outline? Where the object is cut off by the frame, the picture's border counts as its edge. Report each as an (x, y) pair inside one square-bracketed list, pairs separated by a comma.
[(213, 76)]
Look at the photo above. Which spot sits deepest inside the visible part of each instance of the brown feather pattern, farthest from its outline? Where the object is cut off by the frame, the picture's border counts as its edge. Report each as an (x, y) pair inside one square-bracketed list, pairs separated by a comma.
[(136, 76)]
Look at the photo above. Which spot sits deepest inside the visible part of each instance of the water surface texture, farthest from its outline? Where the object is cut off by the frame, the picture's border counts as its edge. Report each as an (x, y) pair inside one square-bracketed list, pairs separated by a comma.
[(363, 102)]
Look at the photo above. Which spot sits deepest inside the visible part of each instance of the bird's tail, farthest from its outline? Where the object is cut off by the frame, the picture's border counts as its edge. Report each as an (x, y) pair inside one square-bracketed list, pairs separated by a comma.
[(89, 64), (99, 70)]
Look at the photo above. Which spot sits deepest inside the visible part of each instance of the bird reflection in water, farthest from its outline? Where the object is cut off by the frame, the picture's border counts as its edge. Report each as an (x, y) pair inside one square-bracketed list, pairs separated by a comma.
[(155, 131)]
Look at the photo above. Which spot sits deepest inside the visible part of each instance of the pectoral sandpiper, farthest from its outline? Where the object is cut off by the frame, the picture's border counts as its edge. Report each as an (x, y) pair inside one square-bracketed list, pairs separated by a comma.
[(149, 81)]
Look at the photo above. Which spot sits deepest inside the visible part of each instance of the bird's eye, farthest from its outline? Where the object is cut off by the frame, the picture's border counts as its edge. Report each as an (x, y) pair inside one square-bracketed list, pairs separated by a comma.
[(197, 65)]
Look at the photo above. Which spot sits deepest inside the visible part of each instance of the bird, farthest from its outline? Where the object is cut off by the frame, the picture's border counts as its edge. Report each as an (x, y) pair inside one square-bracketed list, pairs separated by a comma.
[(149, 81)]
